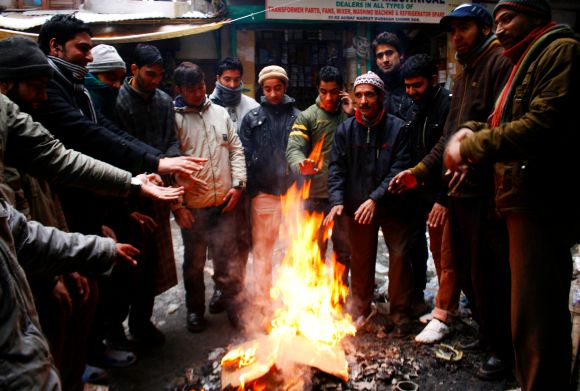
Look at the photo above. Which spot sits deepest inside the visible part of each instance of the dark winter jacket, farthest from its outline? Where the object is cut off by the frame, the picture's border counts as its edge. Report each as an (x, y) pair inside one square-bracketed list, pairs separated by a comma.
[(364, 160), (66, 115), (151, 119), (264, 135), (473, 98), (396, 101), (424, 130)]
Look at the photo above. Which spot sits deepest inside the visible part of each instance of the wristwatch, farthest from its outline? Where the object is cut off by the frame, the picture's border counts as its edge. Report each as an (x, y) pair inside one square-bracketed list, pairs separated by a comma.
[(136, 184)]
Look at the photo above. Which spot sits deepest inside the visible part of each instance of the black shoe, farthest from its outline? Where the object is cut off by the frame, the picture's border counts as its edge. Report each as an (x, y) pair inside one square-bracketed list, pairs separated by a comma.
[(147, 333), (216, 304), (117, 339), (471, 345), (195, 322), (493, 369)]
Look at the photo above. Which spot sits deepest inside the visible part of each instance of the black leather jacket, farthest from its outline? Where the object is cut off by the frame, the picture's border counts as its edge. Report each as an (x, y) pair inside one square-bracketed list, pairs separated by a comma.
[(264, 135)]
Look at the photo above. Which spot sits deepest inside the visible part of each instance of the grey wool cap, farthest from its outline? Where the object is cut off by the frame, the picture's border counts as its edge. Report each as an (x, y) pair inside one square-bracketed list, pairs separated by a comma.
[(21, 58)]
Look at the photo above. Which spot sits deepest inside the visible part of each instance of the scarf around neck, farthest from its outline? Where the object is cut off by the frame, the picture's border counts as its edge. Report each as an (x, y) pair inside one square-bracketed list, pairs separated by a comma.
[(230, 97), (75, 81), (361, 119), (524, 54)]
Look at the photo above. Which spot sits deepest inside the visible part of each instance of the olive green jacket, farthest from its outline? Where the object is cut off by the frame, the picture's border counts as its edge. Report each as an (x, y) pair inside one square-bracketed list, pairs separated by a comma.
[(535, 150), (25, 144), (311, 126)]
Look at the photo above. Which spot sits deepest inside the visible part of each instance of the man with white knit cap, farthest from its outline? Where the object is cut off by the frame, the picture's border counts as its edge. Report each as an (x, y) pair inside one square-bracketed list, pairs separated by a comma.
[(369, 150), (106, 74), (264, 135)]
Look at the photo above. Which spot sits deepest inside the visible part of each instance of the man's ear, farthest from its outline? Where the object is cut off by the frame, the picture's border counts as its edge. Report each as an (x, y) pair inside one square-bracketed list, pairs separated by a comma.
[(134, 69), (53, 47), (434, 80), (486, 30)]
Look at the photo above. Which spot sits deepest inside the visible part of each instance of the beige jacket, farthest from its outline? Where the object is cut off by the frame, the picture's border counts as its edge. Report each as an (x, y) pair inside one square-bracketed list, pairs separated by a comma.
[(210, 133)]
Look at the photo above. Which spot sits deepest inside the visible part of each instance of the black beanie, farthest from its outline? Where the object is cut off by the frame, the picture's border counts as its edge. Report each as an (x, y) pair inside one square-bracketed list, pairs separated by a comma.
[(21, 58)]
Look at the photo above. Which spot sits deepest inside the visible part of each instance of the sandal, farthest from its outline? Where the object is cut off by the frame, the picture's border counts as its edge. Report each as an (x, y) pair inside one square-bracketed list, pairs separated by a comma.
[(95, 375), (118, 358)]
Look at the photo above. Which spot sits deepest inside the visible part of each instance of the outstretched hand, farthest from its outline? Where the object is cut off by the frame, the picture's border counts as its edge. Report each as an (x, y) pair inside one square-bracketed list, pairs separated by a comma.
[(151, 190), (452, 156), (186, 165), (335, 211), (125, 253), (404, 180)]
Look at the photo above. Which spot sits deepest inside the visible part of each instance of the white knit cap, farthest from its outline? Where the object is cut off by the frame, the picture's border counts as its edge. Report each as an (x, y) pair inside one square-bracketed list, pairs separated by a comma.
[(105, 58), (370, 78), (273, 71)]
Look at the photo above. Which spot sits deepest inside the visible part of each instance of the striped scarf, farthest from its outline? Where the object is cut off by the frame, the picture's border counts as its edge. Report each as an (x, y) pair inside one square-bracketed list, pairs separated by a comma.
[(74, 81), (536, 42)]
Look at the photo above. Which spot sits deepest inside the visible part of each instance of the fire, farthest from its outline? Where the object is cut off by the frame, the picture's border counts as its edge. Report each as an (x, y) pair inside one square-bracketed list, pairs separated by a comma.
[(308, 322), (311, 294), (239, 358)]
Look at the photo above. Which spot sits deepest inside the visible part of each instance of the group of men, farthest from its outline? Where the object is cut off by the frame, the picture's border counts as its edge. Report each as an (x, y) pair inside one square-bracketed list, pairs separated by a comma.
[(405, 156)]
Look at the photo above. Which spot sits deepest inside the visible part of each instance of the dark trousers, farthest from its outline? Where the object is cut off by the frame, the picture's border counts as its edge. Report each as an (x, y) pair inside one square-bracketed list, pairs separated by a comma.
[(541, 267), (214, 231), (364, 240), (340, 243), (67, 329), (479, 245)]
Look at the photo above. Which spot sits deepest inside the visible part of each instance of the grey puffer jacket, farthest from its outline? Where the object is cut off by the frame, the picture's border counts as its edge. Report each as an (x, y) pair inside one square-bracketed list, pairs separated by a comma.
[(25, 361), (36, 151)]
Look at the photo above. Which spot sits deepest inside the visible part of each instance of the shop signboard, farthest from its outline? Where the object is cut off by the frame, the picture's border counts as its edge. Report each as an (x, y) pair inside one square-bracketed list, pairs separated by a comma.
[(401, 11)]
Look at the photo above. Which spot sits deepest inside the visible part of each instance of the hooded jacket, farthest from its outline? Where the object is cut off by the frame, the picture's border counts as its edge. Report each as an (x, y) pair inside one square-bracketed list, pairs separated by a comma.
[(208, 132), (264, 135)]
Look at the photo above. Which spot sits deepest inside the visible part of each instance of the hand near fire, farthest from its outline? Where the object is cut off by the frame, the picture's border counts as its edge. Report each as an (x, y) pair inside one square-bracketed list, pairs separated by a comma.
[(365, 213), (404, 180), (146, 223), (151, 189), (452, 156), (126, 254), (185, 165), (232, 199), (184, 218), (437, 216), (308, 167), (335, 211)]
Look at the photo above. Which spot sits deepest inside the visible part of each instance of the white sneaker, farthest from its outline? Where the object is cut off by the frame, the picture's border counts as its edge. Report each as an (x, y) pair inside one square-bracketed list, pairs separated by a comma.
[(428, 317), (435, 331)]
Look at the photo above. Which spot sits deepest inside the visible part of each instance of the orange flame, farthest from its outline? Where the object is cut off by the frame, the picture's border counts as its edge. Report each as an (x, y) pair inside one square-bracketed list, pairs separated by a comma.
[(311, 295), (308, 297)]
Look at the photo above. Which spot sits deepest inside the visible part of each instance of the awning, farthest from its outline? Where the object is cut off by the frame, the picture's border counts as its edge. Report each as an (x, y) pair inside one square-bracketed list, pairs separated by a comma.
[(117, 28)]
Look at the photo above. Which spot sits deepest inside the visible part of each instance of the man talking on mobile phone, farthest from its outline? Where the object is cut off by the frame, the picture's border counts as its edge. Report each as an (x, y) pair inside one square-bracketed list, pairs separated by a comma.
[(315, 125)]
